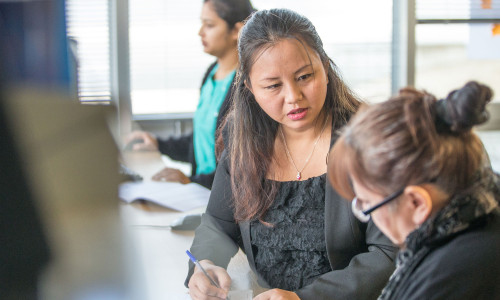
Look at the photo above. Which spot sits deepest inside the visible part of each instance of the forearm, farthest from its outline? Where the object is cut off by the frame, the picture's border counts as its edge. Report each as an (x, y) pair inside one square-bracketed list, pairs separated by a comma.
[(205, 180), (216, 239), (363, 278), (212, 243), (177, 148)]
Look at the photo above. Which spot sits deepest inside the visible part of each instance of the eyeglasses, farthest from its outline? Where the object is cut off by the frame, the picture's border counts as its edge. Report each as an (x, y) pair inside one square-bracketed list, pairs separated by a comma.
[(364, 215)]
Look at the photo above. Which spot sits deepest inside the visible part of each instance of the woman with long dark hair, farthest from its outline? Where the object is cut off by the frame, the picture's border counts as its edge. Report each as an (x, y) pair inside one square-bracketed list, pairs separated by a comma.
[(270, 195)]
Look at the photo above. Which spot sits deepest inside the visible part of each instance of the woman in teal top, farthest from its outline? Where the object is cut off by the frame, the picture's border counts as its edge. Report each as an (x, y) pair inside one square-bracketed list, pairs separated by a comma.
[(221, 22), (212, 96)]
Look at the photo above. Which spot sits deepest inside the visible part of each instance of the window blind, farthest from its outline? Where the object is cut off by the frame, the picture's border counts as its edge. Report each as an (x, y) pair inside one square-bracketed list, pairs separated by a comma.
[(457, 41), (450, 11), (88, 24)]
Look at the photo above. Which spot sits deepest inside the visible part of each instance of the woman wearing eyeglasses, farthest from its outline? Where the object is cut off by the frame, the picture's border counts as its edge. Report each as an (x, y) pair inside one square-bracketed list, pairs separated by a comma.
[(414, 165)]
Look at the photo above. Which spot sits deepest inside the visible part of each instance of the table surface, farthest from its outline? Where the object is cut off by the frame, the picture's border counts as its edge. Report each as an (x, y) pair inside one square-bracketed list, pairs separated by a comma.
[(160, 263)]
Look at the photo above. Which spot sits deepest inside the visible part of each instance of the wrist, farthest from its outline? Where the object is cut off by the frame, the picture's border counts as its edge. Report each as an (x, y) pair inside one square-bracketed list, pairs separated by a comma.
[(205, 263)]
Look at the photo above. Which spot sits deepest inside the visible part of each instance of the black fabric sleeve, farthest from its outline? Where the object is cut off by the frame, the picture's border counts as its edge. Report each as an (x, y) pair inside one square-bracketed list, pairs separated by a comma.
[(177, 148), (364, 277), (205, 180), (362, 257), (218, 237)]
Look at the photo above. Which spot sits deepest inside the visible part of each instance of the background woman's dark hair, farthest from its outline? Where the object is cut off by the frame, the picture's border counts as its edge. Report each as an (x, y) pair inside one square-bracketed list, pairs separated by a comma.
[(232, 11), (411, 139), (252, 131)]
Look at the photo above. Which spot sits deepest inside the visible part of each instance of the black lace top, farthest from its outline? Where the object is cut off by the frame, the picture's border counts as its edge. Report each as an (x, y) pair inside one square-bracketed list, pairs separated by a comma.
[(292, 253)]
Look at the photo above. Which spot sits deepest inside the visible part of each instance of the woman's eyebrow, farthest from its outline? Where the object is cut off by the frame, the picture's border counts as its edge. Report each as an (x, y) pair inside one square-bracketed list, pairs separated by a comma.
[(269, 79), (302, 68), (277, 78)]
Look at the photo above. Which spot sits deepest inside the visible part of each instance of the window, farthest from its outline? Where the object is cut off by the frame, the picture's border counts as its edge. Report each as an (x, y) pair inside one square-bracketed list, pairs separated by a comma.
[(88, 29), (166, 57), (357, 37), (457, 41), (167, 61)]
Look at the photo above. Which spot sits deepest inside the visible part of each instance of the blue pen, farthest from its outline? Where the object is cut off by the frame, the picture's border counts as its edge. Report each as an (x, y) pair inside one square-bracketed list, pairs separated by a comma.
[(197, 263)]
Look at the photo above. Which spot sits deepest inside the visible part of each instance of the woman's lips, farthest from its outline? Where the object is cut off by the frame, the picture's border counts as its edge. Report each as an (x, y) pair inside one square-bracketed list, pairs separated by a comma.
[(297, 114)]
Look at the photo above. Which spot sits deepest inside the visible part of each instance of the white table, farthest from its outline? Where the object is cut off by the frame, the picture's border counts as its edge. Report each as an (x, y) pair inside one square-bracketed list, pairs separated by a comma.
[(159, 261)]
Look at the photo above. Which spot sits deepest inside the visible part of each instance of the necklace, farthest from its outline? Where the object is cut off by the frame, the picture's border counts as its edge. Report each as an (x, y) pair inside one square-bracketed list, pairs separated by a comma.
[(299, 172)]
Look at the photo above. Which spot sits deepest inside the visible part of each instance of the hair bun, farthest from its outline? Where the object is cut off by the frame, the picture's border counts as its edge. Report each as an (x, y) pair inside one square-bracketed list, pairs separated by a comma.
[(463, 108)]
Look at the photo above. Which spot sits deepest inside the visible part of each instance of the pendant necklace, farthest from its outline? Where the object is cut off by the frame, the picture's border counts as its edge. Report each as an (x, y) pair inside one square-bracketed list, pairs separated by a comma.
[(299, 172)]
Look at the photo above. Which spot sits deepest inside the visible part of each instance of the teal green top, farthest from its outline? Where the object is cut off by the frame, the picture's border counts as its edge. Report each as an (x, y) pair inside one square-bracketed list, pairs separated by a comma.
[(213, 93)]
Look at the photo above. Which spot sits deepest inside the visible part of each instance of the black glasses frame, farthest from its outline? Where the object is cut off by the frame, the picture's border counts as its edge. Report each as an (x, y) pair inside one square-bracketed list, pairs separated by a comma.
[(383, 202)]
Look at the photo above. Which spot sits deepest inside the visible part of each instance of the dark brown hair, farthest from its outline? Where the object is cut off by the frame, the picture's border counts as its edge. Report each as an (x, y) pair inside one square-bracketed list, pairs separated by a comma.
[(411, 139), (232, 11), (251, 131)]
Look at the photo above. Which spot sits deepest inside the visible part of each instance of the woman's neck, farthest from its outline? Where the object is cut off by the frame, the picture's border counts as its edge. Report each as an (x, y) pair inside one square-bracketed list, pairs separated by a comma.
[(299, 155), (309, 133), (227, 64)]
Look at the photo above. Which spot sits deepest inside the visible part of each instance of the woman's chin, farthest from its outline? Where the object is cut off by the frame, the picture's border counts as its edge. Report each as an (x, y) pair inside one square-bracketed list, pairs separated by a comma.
[(400, 243)]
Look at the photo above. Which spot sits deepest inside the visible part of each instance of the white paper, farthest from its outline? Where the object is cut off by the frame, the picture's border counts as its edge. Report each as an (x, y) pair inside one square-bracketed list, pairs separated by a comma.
[(174, 195), (240, 295), (233, 295)]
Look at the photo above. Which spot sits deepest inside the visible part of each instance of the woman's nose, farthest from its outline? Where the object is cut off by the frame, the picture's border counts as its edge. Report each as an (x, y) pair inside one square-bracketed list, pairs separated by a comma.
[(293, 93)]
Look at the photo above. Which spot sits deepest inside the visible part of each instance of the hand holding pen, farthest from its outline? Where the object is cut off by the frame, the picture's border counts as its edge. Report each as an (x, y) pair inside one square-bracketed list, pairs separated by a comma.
[(198, 288)]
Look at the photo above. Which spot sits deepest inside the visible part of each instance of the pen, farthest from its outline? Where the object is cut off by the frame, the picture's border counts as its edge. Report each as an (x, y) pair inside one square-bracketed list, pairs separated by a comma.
[(197, 263)]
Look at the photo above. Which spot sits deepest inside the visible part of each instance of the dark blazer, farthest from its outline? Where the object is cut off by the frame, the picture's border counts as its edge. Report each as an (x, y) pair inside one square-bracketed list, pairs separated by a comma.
[(182, 149), (361, 257)]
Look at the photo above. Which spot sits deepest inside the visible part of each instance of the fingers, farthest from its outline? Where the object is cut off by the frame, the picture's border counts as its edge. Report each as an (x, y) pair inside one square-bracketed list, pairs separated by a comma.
[(222, 278), (144, 146), (201, 288), (171, 175), (264, 296), (162, 175), (277, 294), (141, 141), (134, 135), (197, 294)]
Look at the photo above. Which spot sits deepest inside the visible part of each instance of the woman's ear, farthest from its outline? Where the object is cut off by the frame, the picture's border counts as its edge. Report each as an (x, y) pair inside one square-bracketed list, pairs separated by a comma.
[(420, 203), (248, 85), (236, 29)]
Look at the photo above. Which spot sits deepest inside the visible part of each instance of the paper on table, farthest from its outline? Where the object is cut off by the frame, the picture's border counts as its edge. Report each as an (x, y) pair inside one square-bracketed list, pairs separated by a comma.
[(233, 295), (177, 196), (240, 295)]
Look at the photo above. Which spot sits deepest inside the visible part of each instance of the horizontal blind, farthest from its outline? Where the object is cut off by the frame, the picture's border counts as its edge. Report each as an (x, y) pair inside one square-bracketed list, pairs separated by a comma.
[(479, 10), (457, 41), (88, 24)]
